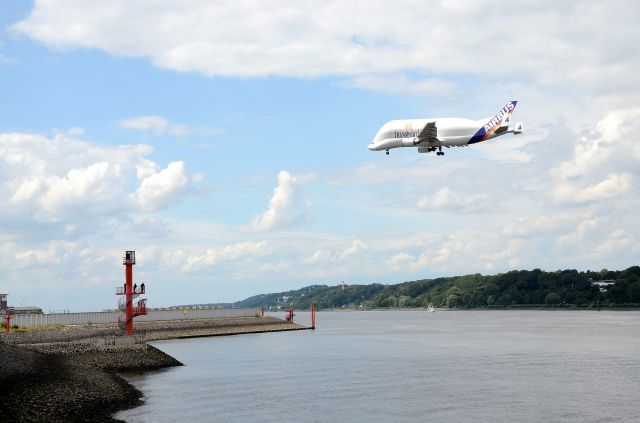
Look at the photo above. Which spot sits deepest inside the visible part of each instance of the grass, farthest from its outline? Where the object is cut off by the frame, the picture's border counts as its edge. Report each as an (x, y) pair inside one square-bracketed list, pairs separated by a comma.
[(34, 328)]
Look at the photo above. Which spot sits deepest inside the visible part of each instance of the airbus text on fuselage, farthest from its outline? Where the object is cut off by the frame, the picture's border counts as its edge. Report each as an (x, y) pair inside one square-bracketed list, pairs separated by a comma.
[(432, 134)]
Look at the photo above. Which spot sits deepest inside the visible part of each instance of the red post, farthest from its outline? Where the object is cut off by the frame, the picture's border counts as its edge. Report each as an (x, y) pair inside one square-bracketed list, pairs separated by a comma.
[(7, 319), (129, 261), (313, 316), (262, 312)]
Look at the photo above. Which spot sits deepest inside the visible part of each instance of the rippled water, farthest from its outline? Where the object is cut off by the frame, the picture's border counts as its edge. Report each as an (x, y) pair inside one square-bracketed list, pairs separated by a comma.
[(463, 366)]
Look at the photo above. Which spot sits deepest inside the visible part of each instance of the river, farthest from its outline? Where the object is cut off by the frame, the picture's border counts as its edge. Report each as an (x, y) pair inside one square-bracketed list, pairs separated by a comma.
[(407, 366)]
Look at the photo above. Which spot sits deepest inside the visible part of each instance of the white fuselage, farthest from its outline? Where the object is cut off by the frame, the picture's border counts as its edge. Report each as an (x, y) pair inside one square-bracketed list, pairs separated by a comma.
[(402, 133)]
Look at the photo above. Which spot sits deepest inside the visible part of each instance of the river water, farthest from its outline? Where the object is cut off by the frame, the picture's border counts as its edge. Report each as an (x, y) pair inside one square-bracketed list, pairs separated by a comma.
[(377, 366)]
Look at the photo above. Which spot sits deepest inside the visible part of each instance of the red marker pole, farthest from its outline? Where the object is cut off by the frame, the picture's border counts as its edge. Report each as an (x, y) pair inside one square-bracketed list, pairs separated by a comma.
[(262, 312), (129, 260), (129, 298), (313, 316)]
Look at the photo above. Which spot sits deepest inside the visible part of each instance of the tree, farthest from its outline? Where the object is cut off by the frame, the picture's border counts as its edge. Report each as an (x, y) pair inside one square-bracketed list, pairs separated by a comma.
[(405, 301), (390, 302), (452, 300), (552, 298), (505, 299)]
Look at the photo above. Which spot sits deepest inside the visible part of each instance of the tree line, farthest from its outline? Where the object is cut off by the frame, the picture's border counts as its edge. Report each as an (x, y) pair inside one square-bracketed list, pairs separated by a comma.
[(518, 288)]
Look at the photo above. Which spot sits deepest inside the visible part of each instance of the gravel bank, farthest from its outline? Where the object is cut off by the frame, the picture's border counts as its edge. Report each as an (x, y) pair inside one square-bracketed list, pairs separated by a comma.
[(37, 387)]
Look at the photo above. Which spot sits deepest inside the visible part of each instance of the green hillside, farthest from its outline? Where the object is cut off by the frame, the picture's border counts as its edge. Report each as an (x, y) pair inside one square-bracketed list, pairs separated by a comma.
[(525, 288)]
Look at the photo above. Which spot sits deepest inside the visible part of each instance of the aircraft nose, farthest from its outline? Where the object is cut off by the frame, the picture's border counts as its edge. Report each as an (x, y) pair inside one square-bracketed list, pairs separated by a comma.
[(371, 147)]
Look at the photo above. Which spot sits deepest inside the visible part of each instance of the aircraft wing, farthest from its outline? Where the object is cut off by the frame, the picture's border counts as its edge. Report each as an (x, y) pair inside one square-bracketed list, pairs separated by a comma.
[(429, 133)]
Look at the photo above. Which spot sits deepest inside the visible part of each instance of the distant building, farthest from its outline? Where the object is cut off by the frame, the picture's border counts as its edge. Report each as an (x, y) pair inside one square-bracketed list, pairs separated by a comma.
[(344, 285), (27, 310), (4, 305), (604, 284)]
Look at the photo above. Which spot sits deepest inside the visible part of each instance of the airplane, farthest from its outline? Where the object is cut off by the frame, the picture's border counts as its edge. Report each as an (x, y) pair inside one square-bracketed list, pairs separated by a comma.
[(433, 134)]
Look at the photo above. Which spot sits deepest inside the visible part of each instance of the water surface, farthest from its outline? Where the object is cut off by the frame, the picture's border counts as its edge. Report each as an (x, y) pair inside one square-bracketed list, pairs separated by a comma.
[(462, 366)]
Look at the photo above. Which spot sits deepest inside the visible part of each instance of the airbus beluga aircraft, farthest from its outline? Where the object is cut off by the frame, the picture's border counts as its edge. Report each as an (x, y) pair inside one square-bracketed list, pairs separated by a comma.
[(431, 134)]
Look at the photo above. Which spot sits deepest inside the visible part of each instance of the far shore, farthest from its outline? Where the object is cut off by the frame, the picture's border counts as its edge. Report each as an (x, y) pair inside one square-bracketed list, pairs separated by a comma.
[(497, 308)]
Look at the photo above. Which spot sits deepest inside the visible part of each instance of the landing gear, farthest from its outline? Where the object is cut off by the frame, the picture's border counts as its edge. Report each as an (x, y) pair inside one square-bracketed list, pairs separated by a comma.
[(387, 152), (440, 153)]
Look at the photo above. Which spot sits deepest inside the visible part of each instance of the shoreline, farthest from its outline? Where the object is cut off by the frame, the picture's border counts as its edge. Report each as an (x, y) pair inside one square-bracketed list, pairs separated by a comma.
[(493, 308), (71, 374)]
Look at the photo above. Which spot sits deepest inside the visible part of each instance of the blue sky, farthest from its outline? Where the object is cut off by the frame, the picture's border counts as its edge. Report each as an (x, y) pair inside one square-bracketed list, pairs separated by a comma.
[(226, 144)]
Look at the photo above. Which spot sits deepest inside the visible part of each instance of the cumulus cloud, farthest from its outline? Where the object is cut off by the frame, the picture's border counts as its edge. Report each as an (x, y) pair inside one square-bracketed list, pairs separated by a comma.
[(619, 242), (342, 38), (214, 256), (615, 184), (61, 178), (285, 209), (162, 189), (55, 253), (605, 163)]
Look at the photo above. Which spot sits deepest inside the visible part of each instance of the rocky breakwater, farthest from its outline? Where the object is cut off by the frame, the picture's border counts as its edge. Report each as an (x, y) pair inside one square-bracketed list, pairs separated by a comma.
[(71, 381)]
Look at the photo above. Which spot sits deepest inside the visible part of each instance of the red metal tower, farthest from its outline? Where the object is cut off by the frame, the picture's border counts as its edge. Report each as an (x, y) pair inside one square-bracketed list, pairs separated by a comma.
[(130, 292)]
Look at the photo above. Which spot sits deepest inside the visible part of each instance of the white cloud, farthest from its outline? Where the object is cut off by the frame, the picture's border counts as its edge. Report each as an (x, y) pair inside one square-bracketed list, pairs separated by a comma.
[(278, 267), (446, 199), (343, 38), (400, 84), (604, 165), (66, 179), (285, 207), (615, 184), (580, 234), (214, 256), (161, 126), (162, 189), (55, 253), (339, 252), (156, 124), (403, 261), (537, 226), (619, 242)]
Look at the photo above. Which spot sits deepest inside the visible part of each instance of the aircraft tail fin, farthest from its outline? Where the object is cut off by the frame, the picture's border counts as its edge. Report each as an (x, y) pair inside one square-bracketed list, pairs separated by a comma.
[(500, 119)]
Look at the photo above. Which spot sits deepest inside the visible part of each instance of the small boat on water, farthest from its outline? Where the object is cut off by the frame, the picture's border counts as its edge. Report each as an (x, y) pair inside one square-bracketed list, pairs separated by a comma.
[(430, 308)]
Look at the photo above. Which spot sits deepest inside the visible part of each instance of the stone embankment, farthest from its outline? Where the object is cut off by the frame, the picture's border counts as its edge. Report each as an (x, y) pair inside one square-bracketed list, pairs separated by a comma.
[(68, 374), (39, 387)]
